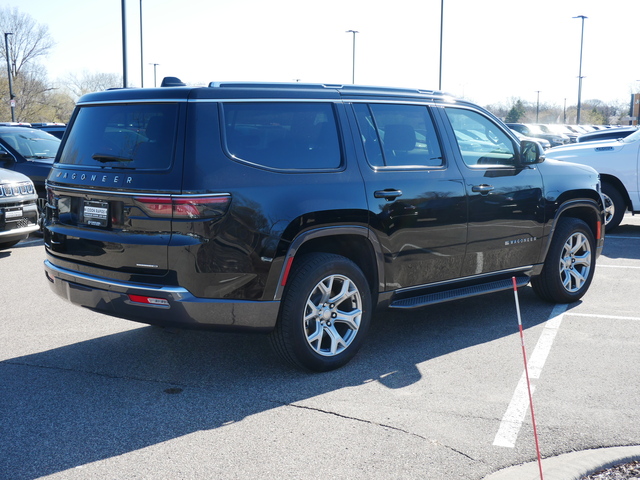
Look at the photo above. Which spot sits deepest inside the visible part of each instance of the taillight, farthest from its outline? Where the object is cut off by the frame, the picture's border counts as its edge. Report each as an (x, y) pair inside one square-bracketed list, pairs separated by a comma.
[(180, 207)]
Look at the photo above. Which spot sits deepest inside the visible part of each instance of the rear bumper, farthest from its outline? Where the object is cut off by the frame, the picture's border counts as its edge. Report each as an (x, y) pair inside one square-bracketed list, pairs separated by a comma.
[(181, 308)]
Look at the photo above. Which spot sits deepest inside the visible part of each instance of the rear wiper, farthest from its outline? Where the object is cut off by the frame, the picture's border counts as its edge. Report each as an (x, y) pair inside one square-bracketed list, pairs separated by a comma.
[(105, 158)]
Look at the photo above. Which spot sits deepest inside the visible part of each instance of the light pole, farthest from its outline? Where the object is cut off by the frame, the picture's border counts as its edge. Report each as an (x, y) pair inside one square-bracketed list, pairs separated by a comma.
[(441, 30), (582, 17), (353, 62), (154, 73), (141, 51), (537, 105), (125, 79), (11, 96)]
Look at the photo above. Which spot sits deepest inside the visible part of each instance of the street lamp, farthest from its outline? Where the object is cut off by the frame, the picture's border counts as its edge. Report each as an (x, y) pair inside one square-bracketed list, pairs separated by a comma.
[(441, 30), (353, 63), (125, 79), (141, 51), (154, 72), (582, 17), (11, 96), (538, 105)]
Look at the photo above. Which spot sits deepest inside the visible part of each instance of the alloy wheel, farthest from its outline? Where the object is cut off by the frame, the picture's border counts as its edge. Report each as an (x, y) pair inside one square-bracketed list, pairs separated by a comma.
[(575, 262), (332, 315)]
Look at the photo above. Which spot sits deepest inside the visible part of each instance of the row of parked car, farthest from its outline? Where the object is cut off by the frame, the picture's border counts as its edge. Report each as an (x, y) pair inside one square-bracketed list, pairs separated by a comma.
[(554, 135), (612, 150), (27, 152)]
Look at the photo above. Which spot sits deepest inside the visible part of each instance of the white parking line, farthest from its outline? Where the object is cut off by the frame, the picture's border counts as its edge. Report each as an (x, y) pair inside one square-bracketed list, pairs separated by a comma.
[(611, 317), (514, 416), (616, 266)]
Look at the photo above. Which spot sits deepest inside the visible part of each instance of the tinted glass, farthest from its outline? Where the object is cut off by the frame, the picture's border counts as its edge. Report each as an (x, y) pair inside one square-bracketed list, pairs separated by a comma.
[(131, 136), (289, 136), (398, 135), (31, 143), (480, 140)]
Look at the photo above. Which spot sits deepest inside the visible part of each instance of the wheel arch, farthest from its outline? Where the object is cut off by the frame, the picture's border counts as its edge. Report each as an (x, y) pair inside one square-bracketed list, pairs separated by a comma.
[(587, 210), (618, 185), (353, 242)]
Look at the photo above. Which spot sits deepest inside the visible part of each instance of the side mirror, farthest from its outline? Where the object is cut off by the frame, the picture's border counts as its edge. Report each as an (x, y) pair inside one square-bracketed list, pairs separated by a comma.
[(531, 152), (6, 159)]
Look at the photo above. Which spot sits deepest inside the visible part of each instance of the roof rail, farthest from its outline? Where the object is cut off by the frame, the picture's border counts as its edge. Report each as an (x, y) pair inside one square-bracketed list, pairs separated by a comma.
[(307, 86)]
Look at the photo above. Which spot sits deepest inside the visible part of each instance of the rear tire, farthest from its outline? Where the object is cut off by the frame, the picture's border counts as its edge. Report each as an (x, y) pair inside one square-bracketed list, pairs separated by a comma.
[(325, 313), (570, 264)]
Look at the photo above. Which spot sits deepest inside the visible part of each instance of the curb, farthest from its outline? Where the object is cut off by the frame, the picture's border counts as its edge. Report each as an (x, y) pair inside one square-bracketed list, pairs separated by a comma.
[(570, 466)]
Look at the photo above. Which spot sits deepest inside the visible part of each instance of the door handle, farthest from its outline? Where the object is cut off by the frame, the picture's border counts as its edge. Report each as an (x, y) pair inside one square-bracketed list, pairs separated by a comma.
[(483, 189), (388, 194)]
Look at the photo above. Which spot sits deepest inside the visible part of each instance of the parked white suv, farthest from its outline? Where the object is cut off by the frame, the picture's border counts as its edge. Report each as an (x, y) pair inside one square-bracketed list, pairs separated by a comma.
[(18, 209), (617, 162)]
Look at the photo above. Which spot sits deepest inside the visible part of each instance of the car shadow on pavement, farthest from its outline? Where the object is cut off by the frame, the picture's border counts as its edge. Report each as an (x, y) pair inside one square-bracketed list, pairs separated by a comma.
[(107, 396), (623, 243)]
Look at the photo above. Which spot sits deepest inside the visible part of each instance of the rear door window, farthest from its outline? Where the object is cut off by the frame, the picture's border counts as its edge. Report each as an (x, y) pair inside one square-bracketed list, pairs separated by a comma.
[(135, 136), (283, 135), (398, 135)]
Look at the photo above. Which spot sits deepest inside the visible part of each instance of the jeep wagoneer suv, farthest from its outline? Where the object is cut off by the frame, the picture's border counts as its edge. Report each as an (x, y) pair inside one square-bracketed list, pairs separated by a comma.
[(298, 209)]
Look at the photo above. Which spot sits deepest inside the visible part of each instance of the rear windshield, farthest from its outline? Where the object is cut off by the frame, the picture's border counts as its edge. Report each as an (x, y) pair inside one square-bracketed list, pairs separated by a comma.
[(136, 136)]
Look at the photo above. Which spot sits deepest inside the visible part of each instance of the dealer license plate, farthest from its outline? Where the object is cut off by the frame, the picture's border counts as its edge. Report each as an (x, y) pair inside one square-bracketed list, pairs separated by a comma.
[(12, 214), (96, 213)]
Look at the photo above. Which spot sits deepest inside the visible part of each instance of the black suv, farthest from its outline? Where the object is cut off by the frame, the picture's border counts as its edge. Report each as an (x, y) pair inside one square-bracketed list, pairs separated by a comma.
[(298, 209)]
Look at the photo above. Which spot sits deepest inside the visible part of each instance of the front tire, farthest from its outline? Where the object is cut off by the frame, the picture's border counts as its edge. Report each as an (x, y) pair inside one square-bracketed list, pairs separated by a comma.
[(614, 207), (570, 264), (5, 245), (325, 313)]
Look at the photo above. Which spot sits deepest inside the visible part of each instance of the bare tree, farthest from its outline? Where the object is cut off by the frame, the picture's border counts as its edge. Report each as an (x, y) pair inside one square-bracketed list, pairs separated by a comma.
[(28, 41), (91, 82)]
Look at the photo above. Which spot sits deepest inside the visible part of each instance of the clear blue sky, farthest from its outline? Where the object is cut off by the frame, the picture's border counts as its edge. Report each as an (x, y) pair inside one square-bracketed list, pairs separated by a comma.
[(493, 49)]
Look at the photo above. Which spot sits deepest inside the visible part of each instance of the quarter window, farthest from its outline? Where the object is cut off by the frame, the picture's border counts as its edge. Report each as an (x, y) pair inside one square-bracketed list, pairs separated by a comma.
[(398, 135), (481, 141), (280, 135)]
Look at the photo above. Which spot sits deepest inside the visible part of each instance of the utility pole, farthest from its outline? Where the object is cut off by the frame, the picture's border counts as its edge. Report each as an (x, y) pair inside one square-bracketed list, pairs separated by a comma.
[(154, 73), (141, 51), (353, 62), (582, 17), (11, 95), (441, 31), (125, 80)]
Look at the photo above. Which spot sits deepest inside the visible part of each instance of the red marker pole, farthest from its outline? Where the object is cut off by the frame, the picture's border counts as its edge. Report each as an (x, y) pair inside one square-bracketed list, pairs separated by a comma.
[(526, 370)]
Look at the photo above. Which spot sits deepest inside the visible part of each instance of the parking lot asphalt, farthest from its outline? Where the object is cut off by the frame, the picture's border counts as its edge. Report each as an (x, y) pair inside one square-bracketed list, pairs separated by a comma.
[(85, 396)]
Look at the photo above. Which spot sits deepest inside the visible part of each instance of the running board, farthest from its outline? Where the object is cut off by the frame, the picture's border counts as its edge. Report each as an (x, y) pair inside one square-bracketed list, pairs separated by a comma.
[(457, 293)]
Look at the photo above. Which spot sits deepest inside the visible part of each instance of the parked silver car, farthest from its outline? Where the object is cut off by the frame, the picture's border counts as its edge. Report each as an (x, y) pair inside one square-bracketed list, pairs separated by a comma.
[(18, 208)]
